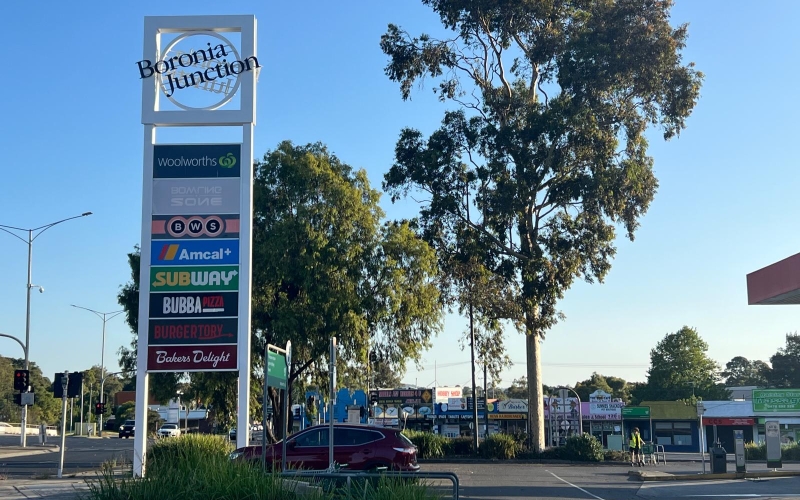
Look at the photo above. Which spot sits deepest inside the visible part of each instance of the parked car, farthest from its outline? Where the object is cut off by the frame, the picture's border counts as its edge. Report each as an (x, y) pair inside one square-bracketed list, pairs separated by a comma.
[(169, 430), (127, 429), (232, 434), (360, 447)]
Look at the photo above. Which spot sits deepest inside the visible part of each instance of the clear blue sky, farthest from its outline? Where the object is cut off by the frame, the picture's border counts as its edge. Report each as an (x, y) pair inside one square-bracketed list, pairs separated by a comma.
[(72, 142)]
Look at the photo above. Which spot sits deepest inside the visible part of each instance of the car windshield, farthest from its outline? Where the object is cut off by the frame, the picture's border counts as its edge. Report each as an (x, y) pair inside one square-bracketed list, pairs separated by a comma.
[(130, 422), (169, 426), (405, 439)]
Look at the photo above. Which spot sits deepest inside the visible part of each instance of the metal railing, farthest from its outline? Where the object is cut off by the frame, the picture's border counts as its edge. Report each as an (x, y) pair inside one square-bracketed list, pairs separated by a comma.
[(349, 475)]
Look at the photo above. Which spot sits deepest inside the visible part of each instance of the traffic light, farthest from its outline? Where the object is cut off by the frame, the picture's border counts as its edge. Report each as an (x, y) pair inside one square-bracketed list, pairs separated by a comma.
[(21, 380), (99, 408), (373, 398)]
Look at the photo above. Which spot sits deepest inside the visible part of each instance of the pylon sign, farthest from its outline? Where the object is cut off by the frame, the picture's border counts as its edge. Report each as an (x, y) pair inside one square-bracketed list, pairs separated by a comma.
[(197, 204)]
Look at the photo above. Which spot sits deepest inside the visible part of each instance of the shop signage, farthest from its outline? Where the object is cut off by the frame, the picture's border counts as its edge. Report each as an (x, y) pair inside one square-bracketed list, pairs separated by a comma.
[(444, 394), (188, 305), (166, 227), (204, 61), (776, 400), (192, 331), (512, 406), (403, 397), (605, 410), (456, 404), (507, 416), (194, 252), (196, 160), (729, 421), (201, 278), (200, 196), (191, 358), (636, 412)]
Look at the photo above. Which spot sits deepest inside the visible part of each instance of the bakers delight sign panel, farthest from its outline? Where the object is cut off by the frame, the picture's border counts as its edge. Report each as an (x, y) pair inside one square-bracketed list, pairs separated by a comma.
[(191, 358)]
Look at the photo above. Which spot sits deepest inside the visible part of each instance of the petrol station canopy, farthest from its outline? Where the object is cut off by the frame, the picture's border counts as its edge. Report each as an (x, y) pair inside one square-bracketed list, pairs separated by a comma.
[(778, 283)]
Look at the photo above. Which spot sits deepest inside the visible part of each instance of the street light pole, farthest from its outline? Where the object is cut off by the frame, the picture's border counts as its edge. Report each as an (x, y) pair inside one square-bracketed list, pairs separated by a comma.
[(29, 241), (105, 317)]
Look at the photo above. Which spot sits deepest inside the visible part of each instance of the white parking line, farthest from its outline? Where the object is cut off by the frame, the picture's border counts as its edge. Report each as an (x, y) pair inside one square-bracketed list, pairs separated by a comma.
[(574, 486)]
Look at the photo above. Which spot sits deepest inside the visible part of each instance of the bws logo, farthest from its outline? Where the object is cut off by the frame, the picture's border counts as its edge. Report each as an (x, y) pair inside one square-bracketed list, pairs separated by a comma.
[(186, 279), (196, 160), (213, 226), (195, 252), (183, 305), (192, 331), (201, 196)]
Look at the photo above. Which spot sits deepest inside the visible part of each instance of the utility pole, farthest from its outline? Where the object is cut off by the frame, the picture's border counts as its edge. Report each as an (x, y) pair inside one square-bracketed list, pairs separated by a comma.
[(64, 384)]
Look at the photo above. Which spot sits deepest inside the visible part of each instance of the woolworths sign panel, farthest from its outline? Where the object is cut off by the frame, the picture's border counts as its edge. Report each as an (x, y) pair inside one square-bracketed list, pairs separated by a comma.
[(776, 400)]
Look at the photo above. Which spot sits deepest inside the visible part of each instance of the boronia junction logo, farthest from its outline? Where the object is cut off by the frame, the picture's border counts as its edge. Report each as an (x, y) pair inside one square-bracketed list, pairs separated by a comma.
[(204, 61)]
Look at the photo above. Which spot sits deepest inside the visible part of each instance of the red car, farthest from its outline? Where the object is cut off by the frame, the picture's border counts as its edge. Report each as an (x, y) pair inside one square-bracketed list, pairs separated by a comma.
[(361, 447)]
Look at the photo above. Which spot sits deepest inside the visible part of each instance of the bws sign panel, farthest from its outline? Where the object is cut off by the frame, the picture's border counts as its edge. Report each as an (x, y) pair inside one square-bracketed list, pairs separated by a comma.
[(190, 279), (185, 358), (200, 196), (196, 160), (192, 331), (186, 305), (166, 227), (194, 252)]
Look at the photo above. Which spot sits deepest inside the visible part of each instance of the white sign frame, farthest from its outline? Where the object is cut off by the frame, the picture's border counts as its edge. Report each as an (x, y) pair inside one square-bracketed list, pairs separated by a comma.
[(154, 117)]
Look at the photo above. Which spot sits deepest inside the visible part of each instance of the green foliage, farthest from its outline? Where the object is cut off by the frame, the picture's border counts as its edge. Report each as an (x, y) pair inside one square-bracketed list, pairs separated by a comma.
[(548, 148), (153, 421), (500, 447), (518, 389), (583, 448), (740, 371), (617, 387), (680, 368), (429, 445), (189, 448), (786, 363), (46, 409), (124, 412), (758, 452), (615, 456)]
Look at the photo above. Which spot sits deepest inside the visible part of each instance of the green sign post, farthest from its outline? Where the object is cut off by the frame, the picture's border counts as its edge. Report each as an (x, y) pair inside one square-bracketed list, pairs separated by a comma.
[(635, 412), (776, 400), (276, 370)]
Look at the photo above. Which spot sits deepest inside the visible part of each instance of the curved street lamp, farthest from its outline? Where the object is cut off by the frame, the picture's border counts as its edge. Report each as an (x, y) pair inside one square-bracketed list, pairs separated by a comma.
[(33, 233), (105, 317)]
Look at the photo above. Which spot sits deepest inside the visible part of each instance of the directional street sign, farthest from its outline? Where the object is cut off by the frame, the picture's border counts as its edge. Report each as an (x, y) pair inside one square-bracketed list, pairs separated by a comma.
[(276, 370)]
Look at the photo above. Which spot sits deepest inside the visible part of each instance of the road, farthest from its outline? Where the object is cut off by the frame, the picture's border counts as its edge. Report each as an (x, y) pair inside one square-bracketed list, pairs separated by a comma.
[(82, 454), (507, 481)]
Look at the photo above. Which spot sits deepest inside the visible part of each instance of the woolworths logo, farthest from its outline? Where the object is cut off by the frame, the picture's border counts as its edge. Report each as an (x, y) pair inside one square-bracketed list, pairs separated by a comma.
[(227, 161)]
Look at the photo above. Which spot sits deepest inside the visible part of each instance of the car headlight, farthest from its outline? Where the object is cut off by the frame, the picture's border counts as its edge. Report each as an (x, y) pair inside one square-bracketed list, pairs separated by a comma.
[(236, 454)]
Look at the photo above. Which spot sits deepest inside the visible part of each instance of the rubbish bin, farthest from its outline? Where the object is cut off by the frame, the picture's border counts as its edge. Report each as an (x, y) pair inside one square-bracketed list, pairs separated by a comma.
[(719, 460)]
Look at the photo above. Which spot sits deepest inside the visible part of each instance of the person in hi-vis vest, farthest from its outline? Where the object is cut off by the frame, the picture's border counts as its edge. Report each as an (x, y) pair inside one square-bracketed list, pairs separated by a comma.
[(635, 444)]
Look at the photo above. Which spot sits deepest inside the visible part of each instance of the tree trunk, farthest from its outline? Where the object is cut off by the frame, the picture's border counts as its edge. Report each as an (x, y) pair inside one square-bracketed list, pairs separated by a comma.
[(535, 397)]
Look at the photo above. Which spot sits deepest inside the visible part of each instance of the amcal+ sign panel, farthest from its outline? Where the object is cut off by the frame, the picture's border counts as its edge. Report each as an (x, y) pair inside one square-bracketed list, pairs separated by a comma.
[(196, 160), (194, 252), (193, 305), (191, 358), (190, 279), (192, 331), (200, 196), (165, 227)]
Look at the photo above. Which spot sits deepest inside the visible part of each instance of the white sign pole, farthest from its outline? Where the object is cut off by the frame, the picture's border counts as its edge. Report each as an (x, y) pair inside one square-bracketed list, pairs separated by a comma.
[(64, 384), (332, 373)]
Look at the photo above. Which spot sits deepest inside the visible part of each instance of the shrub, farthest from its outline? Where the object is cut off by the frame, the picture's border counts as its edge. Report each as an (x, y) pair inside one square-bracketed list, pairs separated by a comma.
[(790, 452), (499, 446), (189, 448), (583, 448), (461, 446), (615, 456), (429, 445), (753, 451)]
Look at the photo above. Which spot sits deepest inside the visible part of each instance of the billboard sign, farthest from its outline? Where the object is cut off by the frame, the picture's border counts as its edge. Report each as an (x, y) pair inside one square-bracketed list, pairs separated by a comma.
[(166, 227), (192, 331), (187, 279), (200, 196), (196, 160), (192, 305), (776, 400), (194, 252), (191, 358)]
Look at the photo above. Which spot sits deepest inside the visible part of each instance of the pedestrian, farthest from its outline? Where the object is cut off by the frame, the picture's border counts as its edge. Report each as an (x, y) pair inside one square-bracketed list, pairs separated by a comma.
[(635, 444)]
